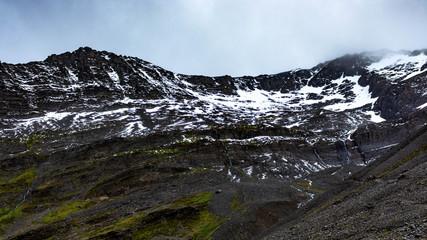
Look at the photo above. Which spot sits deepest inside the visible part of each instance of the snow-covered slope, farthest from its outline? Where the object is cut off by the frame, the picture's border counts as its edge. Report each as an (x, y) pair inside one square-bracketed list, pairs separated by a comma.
[(88, 89)]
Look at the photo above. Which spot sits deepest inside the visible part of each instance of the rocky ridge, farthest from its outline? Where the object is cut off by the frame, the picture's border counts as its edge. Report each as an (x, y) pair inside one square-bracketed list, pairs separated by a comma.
[(87, 135)]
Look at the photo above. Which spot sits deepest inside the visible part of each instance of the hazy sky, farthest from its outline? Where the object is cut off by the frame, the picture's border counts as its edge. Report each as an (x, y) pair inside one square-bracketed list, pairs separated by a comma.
[(234, 37)]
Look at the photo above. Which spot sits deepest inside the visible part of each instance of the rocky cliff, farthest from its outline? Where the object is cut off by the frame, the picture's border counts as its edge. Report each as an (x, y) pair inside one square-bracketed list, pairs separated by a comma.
[(104, 146)]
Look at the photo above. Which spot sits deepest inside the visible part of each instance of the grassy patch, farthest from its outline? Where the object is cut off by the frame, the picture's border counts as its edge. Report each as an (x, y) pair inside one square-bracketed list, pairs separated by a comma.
[(16, 184), (187, 218), (200, 198), (65, 210), (27, 177), (10, 216)]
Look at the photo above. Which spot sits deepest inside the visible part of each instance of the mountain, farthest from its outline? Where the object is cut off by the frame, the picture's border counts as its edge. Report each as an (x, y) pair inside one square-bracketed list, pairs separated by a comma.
[(104, 146), (391, 206)]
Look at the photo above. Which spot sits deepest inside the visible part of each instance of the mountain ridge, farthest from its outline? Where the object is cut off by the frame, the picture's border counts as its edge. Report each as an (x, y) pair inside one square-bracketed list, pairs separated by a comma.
[(109, 130)]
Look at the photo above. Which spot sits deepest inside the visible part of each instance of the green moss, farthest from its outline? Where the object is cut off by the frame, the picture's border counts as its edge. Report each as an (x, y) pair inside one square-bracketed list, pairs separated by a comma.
[(11, 215), (200, 198), (27, 177), (67, 196), (49, 185), (172, 219), (4, 211), (96, 188), (17, 184), (199, 227), (65, 210), (75, 169), (72, 179)]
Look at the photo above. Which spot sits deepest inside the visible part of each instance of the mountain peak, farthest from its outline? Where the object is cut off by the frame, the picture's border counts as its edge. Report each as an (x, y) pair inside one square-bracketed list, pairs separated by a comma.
[(82, 54)]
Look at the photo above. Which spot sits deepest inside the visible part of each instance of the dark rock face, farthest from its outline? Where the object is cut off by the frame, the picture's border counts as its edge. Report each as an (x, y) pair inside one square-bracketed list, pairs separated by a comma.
[(380, 201), (104, 146), (348, 65)]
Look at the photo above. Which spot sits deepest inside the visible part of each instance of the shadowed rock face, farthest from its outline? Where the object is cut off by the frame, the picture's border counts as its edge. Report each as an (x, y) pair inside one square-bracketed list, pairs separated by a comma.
[(105, 146), (383, 200)]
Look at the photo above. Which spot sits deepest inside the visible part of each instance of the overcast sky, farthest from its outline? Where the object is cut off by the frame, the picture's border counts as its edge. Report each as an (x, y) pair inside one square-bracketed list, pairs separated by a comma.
[(234, 37)]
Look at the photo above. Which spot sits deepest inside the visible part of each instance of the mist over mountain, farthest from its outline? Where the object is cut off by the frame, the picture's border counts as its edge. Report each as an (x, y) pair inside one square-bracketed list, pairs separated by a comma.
[(104, 146)]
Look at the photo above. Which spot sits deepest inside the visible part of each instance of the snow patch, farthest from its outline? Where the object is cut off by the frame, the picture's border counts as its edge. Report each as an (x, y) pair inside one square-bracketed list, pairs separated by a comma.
[(422, 106), (374, 117)]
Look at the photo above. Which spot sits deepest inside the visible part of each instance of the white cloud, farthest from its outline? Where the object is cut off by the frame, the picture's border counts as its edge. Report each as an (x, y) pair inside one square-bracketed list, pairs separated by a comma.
[(240, 37)]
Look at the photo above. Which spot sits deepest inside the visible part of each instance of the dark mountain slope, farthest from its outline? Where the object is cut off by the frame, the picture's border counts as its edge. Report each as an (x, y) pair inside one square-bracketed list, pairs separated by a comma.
[(384, 200), (95, 145)]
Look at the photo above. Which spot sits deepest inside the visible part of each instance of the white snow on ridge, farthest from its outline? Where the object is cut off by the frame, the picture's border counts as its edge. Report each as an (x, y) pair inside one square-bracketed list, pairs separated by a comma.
[(263, 101), (363, 97), (69, 120), (398, 66)]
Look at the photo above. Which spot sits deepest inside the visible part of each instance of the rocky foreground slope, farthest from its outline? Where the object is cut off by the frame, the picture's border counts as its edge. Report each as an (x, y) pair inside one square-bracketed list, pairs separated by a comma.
[(94, 145), (386, 200)]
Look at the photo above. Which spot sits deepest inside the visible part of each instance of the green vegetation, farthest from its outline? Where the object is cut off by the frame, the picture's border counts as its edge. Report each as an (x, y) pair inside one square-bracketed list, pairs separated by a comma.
[(198, 225), (24, 180), (32, 142), (9, 216), (200, 198), (96, 188), (27, 177), (65, 210), (187, 217)]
